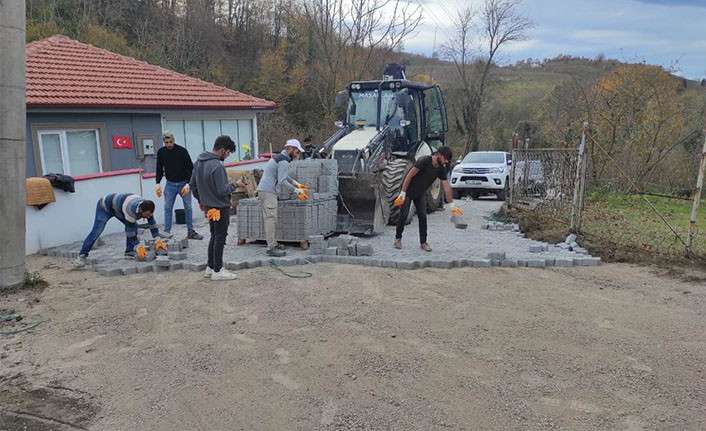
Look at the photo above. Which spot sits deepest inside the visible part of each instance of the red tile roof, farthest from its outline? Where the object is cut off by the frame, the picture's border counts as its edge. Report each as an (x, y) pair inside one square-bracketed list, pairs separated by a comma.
[(63, 72)]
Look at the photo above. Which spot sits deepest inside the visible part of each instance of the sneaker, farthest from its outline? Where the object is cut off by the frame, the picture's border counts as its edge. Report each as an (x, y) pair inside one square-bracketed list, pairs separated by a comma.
[(165, 235), (425, 247), (194, 235), (80, 262), (208, 272), (398, 244), (275, 252), (223, 274), (130, 254)]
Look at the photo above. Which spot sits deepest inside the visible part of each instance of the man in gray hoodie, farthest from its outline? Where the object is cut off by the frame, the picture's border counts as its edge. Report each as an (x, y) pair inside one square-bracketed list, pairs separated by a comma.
[(211, 188)]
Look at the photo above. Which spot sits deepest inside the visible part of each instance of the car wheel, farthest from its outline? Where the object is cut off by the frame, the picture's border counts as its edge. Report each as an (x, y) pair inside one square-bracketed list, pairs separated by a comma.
[(502, 195), (458, 194)]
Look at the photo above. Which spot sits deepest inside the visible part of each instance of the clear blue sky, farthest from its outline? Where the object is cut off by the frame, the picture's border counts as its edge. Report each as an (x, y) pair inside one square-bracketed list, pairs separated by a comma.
[(671, 33)]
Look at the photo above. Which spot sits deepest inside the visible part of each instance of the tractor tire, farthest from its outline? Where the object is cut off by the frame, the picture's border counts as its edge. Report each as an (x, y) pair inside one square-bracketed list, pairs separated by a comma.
[(392, 178), (435, 197)]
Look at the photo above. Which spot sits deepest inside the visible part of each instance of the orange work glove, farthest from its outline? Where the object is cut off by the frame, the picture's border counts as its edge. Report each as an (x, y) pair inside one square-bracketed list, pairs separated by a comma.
[(300, 186), (141, 252), (302, 194), (214, 214), (159, 245), (399, 201), (184, 190), (158, 190)]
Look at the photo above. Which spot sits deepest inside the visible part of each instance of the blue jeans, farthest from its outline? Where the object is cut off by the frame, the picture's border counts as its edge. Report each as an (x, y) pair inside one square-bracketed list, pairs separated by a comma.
[(101, 219), (171, 190)]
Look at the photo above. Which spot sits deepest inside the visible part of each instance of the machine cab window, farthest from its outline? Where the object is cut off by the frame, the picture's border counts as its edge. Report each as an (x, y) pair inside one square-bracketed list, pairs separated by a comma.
[(436, 124)]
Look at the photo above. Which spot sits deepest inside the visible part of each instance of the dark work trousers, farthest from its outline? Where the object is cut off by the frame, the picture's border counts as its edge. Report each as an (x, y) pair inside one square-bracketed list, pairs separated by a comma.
[(420, 203), (219, 232)]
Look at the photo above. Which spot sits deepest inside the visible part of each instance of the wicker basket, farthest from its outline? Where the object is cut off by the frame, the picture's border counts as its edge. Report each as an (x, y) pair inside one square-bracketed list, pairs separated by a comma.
[(39, 191)]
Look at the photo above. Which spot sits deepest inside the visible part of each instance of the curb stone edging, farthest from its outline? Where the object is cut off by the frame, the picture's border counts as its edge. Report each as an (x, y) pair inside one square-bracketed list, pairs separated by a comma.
[(493, 260)]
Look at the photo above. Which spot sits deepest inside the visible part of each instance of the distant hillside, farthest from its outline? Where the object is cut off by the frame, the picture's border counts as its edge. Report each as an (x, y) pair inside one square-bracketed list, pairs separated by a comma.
[(519, 93)]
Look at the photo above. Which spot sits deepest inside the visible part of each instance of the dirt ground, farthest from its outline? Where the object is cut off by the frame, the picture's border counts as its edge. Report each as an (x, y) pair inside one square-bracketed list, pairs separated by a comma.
[(614, 347)]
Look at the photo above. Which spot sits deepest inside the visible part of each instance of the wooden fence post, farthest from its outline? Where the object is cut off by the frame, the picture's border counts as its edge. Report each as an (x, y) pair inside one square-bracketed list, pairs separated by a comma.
[(579, 184), (697, 199)]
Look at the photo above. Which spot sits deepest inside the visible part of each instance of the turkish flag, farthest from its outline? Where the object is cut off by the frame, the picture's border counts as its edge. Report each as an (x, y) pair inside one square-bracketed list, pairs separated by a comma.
[(122, 143)]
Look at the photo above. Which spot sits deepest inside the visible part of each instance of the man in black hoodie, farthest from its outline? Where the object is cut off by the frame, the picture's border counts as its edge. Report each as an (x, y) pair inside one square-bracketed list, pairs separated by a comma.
[(210, 186)]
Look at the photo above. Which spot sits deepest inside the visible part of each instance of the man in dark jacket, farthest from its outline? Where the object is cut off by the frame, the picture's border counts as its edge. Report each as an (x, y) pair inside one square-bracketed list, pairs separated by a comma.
[(126, 207), (174, 163), (209, 184)]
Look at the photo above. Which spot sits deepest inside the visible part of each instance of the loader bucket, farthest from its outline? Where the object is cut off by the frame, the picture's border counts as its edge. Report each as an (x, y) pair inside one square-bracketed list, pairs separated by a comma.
[(359, 206)]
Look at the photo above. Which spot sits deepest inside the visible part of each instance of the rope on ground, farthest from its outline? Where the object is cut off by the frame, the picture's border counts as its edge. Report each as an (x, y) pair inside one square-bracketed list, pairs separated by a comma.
[(301, 274), (26, 328)]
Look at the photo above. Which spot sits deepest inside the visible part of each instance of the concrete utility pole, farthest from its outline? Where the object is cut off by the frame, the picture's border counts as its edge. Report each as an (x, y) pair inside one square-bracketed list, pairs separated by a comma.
[(12, 142)]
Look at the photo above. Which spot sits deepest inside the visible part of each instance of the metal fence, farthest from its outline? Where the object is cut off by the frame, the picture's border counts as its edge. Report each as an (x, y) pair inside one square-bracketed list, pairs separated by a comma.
[(544, 180), (559, 186)]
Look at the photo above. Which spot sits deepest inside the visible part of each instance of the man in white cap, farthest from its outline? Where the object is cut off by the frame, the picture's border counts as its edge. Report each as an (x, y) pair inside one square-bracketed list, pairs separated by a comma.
[(275, 177)]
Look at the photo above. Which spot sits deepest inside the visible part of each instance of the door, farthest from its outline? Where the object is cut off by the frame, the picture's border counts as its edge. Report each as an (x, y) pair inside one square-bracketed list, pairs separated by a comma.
[(436, 122)]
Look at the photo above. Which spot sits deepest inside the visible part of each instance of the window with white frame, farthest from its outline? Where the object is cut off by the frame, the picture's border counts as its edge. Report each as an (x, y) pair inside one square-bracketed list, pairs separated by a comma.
[(70, 152), (198, 136)]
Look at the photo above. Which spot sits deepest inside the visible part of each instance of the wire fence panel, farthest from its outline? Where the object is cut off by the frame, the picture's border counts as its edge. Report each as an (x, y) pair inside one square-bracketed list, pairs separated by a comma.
[(544, 180)]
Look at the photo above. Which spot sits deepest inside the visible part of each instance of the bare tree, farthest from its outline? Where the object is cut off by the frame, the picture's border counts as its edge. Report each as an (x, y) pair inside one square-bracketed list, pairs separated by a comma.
[(479, 37), (351, 35)]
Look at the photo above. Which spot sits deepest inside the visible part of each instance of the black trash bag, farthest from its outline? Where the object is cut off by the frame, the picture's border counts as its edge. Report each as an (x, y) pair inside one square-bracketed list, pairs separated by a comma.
[(61, 182)]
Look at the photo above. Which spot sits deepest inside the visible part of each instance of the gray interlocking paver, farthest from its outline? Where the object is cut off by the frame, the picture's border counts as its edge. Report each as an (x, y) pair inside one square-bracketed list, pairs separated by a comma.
[(509, 263), (536, 263), (145, 268), (177, 255), (129, 270)]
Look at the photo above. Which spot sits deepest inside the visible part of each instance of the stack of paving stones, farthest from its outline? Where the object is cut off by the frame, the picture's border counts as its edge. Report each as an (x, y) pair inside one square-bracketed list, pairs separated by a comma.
[(297, 220), (342, 245), (318, 175)]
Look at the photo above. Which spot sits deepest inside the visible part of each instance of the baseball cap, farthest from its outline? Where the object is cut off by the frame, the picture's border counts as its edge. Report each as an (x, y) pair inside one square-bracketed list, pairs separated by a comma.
[(294, 143)]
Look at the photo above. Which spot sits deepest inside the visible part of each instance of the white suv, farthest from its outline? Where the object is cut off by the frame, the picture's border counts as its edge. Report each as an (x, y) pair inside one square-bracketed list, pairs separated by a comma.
[(482, 173)]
